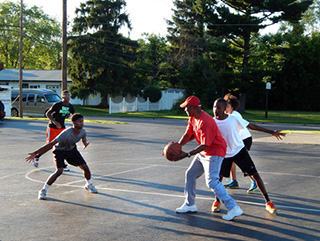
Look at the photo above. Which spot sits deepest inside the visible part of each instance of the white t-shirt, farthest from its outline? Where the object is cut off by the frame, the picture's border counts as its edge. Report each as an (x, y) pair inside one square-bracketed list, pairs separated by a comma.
[(244, 133), (229, 129)]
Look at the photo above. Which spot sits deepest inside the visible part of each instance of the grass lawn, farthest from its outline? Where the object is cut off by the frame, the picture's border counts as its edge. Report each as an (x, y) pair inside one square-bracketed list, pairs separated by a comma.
[(250, 115), (293, 117)]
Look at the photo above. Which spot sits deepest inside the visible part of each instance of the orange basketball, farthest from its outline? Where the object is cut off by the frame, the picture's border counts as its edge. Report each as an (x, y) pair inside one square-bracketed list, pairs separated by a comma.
[(171, 150)]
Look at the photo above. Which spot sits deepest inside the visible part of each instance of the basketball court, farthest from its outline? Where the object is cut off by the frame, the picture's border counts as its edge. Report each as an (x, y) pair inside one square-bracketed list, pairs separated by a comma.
[(139, 189)]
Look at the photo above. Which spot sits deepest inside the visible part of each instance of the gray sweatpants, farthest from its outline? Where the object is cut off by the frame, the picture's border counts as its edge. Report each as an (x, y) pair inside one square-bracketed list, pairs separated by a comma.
[(210, 165)]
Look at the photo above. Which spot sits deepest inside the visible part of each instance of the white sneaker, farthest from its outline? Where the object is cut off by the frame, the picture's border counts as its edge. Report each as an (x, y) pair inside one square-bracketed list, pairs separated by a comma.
[(91, 188), (36, 162), (42, 194), (66, 169), (232, 213), (187, 209)]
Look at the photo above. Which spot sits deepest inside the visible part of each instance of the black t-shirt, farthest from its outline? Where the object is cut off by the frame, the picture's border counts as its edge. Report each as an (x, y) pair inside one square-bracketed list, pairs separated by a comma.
[(60, 112)]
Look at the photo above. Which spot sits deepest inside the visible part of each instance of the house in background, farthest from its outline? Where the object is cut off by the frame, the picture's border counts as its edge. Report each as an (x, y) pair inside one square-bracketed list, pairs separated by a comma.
[(51, 80), (41, 79)]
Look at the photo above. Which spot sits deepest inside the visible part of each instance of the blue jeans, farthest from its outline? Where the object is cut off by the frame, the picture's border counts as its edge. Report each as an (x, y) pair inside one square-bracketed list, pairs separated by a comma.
[(210, 165)]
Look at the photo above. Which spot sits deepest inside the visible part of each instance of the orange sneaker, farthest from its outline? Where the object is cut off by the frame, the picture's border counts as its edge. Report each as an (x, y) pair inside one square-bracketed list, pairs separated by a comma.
[(270, 207), (216, 206)]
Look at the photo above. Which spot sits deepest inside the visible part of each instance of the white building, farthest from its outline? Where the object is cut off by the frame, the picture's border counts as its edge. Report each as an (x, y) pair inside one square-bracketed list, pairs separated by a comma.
[(51, 79), (35, 79)]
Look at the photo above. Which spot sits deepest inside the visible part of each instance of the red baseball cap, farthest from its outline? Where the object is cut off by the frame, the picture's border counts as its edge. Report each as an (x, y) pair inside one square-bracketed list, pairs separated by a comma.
[(191, 100)]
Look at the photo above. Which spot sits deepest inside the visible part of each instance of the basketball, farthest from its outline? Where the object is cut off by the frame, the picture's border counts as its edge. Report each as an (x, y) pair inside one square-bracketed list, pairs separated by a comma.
[(171, 150)]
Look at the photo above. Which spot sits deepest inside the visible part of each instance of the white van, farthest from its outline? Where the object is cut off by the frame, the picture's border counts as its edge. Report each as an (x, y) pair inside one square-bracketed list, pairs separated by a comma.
[(35, 102)]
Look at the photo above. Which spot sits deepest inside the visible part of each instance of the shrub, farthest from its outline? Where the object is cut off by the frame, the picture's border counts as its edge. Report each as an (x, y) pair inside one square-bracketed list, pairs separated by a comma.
[(153, 92)]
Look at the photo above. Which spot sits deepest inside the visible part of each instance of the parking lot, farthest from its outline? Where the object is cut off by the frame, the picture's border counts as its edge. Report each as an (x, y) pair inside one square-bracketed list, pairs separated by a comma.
[(139, 189)]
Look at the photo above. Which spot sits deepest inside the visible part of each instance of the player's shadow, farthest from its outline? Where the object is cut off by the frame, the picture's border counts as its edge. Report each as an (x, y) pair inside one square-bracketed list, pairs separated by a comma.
[(204, 221)]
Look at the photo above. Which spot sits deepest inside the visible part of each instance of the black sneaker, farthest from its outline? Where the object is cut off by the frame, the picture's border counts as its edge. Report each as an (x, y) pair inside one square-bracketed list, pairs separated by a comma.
[(232, 185)]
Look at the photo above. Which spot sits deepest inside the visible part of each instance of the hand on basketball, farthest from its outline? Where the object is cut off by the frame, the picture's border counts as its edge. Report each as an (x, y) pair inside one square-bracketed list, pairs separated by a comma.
[(180, 156)]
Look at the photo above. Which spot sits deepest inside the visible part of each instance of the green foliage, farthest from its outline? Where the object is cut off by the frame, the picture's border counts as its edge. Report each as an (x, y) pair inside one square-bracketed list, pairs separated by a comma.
[(153, 93), (101, 58), (41, 45)]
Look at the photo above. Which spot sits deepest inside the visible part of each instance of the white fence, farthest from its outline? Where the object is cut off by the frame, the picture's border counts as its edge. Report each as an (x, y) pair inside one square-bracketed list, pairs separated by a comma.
[(165, 103)]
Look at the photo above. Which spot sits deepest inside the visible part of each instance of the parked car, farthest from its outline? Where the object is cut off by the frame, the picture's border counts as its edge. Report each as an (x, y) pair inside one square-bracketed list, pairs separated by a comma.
[(2, 111), (35, 102)]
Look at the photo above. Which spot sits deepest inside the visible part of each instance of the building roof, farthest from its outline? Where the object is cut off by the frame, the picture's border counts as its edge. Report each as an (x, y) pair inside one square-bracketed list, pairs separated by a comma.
[(32, 75)]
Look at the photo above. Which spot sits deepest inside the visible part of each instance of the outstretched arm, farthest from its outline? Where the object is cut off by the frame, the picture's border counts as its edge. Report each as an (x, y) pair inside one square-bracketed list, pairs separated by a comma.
[(40, 151), (275, 133)]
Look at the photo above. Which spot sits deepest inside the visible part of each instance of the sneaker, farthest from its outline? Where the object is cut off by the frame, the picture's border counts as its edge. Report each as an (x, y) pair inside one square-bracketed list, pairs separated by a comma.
[(232, 213), (66, 169), (216, 206), (36, 162), (91, 188), (253, 187), (232, 185), (187, 209), (42, 194), (270, 207)]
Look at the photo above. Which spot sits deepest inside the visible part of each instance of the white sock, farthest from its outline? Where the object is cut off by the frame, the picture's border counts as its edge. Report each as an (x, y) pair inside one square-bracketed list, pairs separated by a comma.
[(89, 182), (45, 187)]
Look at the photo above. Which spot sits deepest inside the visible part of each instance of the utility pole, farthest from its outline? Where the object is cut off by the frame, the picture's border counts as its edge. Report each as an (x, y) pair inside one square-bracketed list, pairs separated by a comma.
[(64, 45), (20, 64)]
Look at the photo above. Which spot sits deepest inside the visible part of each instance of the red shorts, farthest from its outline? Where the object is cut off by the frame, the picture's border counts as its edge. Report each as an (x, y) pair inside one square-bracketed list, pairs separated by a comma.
[(52, 133)]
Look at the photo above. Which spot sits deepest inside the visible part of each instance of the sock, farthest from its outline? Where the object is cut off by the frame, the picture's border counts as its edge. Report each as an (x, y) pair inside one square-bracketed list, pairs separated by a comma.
[(45, 187), (89, 182)]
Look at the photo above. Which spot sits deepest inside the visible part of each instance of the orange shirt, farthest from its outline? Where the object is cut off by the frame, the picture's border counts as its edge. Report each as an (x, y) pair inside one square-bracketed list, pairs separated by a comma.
[(207, 133)]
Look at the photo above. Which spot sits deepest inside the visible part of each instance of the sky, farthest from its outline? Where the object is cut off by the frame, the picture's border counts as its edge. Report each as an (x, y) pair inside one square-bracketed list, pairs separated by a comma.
[(145, 15)]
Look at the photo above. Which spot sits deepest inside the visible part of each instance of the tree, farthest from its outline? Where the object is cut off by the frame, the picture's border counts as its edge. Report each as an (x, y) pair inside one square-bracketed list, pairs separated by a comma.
[(101, 58), (192, 53), (151, 66), (41, 45), (237, 21)]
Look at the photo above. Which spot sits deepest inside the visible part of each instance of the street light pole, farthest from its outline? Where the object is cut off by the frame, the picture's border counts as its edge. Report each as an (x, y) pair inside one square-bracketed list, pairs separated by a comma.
[(20, 64), (64, 45)]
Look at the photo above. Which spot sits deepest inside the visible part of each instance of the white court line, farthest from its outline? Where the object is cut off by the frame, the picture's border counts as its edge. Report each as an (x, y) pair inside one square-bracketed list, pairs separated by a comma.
[(198, 197), (70, 184)]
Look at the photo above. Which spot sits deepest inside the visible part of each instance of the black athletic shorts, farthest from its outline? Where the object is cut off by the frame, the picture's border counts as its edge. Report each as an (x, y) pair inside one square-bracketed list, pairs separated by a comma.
[(73, 157), (242, 160), (248, 143)]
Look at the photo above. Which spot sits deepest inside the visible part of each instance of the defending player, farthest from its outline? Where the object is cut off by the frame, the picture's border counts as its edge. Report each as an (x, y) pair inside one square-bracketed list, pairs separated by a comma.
[(208, 158), (57, 114), (65, 148), (229, 126)]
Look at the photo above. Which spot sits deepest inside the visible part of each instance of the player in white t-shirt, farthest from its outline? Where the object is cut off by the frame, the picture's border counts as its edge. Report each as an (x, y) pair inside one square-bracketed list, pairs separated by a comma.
[(232, 105), (229, 126)]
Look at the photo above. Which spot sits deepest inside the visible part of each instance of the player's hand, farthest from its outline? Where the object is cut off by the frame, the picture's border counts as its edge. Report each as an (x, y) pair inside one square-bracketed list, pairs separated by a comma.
[(58, 125), (278, 134), (85, 145), (30, 157), (181, 156)]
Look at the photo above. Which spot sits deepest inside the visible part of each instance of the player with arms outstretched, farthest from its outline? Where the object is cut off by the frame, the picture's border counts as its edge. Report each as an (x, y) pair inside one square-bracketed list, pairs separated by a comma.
[(65, 148)]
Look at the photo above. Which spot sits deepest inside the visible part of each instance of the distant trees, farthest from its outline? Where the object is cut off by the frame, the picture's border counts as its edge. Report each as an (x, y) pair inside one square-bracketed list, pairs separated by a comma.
[(41, 38), (100, 57)]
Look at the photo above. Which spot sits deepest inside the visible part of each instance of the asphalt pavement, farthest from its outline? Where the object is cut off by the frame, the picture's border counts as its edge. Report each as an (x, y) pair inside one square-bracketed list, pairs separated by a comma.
[(139, 190)]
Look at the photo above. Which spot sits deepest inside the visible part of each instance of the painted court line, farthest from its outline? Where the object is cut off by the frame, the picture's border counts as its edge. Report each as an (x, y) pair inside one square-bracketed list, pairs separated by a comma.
[(70, 184)]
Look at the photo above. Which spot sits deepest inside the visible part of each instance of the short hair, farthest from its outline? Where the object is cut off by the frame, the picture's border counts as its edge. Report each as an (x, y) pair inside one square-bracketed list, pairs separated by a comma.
[(76, 116), (222, 102), (232, 100), (65, 92)]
